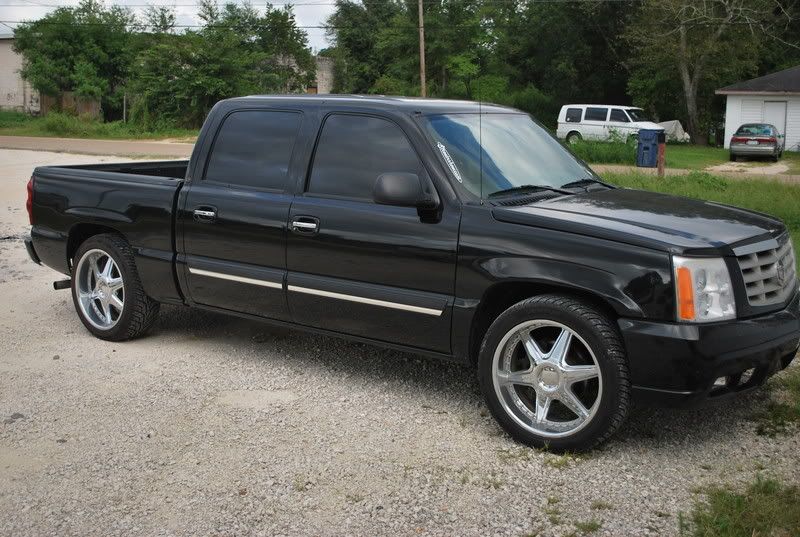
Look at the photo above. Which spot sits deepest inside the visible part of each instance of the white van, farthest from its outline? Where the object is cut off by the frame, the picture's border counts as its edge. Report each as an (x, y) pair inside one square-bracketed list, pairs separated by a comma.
[(601, 122)]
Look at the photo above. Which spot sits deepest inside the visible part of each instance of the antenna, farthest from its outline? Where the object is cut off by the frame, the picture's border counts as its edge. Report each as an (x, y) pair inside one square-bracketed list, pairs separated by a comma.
[(480, 135)]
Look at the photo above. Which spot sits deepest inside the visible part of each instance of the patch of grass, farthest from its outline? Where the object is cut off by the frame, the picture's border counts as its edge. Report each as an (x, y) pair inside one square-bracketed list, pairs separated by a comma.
[(553, 514), (694, 157), (561, 461), (588, 527), (782, 413), (600, 505), (72, 126), (778, 199), (766, 508)]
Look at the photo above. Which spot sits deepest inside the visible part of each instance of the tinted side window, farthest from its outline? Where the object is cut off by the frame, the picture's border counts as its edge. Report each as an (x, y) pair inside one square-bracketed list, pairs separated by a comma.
[(574, 115), (353, 151), (253, 148), (596, 114), (619, 115)]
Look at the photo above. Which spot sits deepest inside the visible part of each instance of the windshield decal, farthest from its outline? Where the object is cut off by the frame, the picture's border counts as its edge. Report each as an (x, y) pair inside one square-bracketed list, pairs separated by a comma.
[(449, 161)]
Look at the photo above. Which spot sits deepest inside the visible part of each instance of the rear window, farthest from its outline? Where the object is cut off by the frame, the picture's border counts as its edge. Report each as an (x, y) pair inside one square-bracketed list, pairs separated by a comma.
[(755, 130), (574, 115), (596, 114), (253, 149)]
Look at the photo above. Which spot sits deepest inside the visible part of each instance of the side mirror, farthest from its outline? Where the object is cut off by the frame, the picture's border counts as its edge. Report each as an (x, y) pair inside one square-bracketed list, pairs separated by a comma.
[(404, 190)]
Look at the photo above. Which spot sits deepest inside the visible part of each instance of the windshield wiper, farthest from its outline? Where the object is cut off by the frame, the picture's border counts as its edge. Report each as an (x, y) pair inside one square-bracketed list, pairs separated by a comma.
[(583, 182), (525, 189)]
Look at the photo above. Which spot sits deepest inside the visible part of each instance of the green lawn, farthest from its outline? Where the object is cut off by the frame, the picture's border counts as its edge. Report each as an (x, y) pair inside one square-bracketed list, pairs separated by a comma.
[(684, 156), (767, 508), (778, 199), (70, 126), (694, 157)]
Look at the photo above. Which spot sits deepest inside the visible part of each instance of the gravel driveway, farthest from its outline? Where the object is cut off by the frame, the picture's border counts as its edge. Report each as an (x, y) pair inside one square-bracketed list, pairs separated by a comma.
[(215, 425)]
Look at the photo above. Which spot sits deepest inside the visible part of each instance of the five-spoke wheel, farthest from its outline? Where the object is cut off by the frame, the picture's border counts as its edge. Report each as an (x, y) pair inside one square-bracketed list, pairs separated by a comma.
[(107, 291), (101, 289), (547, 378), (554, 373)]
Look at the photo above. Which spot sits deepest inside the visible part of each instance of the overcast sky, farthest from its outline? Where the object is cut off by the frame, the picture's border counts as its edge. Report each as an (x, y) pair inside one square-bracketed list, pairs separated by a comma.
[(307, 15)]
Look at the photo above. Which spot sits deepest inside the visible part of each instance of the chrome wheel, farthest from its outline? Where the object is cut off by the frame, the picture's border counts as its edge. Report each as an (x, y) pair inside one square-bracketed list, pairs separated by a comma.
[(547, 378), (100, 289)]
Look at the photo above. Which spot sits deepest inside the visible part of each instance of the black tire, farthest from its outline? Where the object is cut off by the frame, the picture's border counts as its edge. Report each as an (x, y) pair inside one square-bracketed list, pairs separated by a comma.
[(732, 157), (573, 137), (600, 335), (138, 311)]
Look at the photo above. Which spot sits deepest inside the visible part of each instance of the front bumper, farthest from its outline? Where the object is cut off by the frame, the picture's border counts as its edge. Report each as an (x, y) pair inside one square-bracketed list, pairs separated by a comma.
[(678, 364)]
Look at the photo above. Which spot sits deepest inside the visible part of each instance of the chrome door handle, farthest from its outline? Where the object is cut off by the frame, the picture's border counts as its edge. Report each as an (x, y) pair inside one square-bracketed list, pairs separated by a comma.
[(305, 224), (206, 214)]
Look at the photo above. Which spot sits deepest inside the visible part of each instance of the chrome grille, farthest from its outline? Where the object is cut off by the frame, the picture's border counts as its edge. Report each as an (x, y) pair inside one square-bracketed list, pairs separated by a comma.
[(770, 273)]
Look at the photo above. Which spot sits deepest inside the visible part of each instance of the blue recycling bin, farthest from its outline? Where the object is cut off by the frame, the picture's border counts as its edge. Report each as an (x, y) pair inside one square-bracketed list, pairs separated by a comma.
[(647, 149)]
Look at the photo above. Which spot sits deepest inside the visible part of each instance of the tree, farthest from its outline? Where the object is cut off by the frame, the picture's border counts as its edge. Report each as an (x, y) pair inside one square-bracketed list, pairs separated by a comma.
[(702, 45), (84, 49), (178, 78)]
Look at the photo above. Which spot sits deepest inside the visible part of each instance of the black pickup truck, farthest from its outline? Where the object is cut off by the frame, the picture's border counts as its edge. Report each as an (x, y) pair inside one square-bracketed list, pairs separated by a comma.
[(455, 229)]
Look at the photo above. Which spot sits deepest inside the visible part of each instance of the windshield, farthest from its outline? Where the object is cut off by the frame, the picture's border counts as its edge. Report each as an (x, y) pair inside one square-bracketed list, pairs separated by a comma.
[(637, 114), (512, 149)]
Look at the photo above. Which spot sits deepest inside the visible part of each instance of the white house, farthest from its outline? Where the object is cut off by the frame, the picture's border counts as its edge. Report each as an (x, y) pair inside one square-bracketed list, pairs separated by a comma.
[(773, 98), (15, 93)]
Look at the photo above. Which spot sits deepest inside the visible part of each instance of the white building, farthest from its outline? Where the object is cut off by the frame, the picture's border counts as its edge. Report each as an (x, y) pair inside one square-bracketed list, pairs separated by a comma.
[(773, 98), (15, 93)]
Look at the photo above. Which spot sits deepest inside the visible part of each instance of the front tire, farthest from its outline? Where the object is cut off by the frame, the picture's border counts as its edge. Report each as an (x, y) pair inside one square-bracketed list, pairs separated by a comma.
[(554, 373), (574, 138), (107, 292)]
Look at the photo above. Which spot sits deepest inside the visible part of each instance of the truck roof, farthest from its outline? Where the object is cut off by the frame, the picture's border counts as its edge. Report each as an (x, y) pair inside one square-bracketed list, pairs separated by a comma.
[(408, 104)]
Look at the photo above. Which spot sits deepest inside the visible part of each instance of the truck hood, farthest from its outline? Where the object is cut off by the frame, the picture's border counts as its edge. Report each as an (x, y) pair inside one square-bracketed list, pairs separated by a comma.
[(671, 223)]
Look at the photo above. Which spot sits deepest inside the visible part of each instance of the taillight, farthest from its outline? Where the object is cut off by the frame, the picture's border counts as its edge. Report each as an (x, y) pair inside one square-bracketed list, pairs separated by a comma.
[(738, 140), (772, 140), (29, 202)]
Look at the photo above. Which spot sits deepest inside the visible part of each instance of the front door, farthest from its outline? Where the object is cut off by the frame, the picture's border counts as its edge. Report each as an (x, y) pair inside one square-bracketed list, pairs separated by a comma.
[(360, 268), (233, 221)]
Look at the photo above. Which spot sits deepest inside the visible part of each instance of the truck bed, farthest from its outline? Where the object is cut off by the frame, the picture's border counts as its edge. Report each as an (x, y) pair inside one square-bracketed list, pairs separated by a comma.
[(137, 199), (175, 169)]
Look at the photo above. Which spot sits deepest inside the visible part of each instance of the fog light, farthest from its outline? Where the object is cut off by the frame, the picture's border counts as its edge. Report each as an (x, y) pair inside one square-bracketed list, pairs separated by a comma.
[(747, 375), (721, 381)]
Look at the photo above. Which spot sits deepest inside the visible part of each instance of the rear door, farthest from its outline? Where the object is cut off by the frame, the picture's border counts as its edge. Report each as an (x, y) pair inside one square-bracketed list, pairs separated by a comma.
[(376, 271), (233, 222)]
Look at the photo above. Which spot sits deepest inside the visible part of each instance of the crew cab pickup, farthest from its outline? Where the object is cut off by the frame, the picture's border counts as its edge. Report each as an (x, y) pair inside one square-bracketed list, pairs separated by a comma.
[(455, 229)]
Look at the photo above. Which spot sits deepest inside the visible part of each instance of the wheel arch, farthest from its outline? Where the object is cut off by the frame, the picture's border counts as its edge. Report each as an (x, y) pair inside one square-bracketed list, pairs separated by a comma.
[(81, 232), (501, 296)]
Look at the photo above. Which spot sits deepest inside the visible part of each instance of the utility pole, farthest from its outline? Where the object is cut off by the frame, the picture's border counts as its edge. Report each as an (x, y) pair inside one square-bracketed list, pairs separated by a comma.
[(424, 90)]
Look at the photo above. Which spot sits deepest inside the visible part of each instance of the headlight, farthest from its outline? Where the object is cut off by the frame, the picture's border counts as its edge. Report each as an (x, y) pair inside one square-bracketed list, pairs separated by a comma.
[(703, 289)]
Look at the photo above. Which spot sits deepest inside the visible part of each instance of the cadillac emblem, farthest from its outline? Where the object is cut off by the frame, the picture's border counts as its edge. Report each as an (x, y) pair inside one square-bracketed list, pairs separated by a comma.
[(780, 273)]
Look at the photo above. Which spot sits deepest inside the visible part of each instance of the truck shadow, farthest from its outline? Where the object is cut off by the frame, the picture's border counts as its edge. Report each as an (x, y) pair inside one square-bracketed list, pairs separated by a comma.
[(444, 386)]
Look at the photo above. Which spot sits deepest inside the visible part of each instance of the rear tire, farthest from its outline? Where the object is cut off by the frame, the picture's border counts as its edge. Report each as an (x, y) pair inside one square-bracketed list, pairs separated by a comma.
[(733, 158), (107, 292), (568, 396)]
